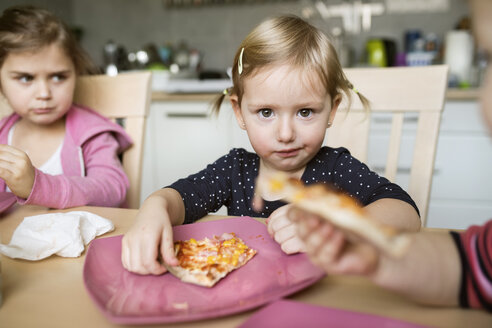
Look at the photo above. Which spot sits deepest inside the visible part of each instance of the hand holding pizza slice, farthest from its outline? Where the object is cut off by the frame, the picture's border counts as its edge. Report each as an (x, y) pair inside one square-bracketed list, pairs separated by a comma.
[(339, 209)]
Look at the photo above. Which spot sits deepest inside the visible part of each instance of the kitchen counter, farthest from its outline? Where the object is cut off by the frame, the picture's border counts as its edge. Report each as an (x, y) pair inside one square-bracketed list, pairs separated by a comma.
[(462, 94), (451, 94), (164, 96)]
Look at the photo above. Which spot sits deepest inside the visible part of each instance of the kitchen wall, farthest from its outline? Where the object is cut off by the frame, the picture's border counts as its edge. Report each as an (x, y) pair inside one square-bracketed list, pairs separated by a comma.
[(62, 8), (216, 31)]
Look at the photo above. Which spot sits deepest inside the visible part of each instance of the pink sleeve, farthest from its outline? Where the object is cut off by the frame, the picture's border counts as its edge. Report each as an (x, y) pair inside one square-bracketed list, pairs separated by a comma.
[(475, 247), (104, 184)]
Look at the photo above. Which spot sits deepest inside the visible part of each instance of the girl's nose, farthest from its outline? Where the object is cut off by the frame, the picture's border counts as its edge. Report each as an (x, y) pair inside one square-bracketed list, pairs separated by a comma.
[(44, 91), (286, 131)]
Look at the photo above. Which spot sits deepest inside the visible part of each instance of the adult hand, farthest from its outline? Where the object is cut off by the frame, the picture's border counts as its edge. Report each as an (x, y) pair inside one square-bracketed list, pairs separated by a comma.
[(16, 170), (334, 250), (283, 230)]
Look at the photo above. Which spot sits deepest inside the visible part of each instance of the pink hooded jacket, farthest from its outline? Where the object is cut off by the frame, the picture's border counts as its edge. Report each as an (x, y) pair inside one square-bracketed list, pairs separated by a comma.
[(92, 171)]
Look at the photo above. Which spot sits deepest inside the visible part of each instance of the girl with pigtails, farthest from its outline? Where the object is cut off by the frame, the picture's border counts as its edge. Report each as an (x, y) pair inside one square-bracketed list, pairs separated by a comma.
[(287, 86)]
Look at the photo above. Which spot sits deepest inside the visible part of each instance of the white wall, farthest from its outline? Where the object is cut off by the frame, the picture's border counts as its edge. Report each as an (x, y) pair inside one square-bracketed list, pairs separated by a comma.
[(214, 30), (217, 30)]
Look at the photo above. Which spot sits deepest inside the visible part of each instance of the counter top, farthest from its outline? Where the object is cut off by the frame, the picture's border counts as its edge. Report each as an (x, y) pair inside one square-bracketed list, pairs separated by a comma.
[(451, 94), (164, 96), (462, 94)]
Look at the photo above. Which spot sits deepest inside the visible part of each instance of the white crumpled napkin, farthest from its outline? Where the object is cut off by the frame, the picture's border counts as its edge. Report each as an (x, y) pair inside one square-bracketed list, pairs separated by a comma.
[(64, 234)]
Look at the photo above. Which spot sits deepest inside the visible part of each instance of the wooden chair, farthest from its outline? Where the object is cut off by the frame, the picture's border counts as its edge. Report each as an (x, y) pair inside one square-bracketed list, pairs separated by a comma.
[(396, 91), (123, 97)]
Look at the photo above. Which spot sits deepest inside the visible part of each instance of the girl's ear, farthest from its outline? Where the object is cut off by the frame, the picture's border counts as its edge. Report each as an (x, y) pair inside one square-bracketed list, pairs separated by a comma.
[(336, 102), (237, 111)]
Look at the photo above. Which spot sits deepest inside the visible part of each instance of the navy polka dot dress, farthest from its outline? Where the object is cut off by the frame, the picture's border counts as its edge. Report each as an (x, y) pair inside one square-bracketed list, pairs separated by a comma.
[(230, 181)]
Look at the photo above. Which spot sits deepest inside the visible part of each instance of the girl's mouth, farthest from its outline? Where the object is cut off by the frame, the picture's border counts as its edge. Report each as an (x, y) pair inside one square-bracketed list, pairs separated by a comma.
[(288, 152), (40, 111)]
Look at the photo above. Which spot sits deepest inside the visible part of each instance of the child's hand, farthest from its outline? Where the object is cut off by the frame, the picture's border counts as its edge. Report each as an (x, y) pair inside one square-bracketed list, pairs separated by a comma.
[(152, 233), (329, 248), (283, 231), (17, 170)]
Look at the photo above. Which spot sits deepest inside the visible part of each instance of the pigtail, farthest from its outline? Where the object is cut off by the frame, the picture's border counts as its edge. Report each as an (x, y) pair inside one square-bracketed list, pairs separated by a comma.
[(217, 102), (365, 102)]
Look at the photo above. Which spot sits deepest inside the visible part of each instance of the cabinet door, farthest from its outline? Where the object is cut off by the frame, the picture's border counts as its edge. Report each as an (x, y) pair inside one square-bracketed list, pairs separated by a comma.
[(462, 184), (182, 138)]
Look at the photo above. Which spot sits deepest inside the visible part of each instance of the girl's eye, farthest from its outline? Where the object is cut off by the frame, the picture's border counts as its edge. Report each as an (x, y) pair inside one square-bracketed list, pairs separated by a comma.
[(266, 112), (59, 77), (305, 112), (25, 78)]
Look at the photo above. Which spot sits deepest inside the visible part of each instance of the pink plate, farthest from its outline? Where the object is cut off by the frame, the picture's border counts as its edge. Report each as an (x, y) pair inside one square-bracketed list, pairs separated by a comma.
[(128, 298), (291, 314)]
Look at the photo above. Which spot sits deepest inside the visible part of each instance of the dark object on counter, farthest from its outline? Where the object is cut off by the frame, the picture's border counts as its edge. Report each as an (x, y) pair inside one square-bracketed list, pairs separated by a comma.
[(411, 36), (390, 48), (463, 24), (212, 75), (115, 58)]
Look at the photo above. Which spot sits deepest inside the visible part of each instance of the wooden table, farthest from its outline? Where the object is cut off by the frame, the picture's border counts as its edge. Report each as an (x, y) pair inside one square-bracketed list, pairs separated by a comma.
[(51, 293)]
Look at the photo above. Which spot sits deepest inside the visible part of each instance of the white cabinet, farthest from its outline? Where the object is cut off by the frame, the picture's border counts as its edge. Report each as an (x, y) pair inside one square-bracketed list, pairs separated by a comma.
[(462, 185), (182, 138)]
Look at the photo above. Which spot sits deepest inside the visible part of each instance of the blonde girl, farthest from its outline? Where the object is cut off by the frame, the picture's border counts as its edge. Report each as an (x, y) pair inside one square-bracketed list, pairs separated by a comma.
[(53, 153), (287, 85)]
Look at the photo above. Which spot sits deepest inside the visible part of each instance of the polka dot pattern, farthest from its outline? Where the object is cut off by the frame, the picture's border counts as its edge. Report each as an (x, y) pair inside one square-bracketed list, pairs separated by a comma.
[(230, 180)]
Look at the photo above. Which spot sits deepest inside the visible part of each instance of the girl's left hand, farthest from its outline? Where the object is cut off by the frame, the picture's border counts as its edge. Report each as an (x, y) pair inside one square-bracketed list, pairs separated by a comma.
[(284, 231), (17, 170)]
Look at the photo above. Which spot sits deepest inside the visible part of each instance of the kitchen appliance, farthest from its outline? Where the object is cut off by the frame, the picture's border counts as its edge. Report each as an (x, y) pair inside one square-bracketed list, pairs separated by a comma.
[(381, 52), (376, 53), (458, 55)]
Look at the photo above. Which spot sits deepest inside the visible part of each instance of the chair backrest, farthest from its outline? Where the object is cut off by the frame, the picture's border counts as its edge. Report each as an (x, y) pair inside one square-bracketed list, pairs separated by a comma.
[(396, 91), (125, 96), (4, 107)]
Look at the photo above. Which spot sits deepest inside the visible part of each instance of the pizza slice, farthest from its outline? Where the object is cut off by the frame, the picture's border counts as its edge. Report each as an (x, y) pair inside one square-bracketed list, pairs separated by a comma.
[(338, 208), (204, 262)]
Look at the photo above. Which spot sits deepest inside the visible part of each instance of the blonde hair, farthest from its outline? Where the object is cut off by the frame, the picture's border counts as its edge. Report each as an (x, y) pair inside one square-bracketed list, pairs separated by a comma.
[(27, 28), (291, 40)]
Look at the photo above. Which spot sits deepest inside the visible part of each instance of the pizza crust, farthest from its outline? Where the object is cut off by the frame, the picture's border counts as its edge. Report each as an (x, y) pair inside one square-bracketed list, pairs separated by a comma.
[(194, 276), (341, 210)]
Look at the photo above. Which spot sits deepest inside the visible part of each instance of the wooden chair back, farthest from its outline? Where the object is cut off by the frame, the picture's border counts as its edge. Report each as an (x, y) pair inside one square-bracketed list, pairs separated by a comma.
[(396, 91), (124, 98)]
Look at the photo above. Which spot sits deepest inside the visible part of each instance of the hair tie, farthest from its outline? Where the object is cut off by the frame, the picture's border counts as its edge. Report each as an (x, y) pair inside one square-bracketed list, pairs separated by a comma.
[(351, 86), (240, 62), (225, 92)]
